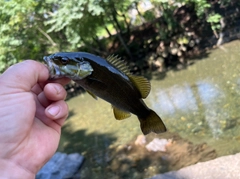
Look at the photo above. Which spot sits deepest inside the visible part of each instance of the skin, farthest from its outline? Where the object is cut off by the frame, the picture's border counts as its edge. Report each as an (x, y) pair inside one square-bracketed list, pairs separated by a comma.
[(32, 112)]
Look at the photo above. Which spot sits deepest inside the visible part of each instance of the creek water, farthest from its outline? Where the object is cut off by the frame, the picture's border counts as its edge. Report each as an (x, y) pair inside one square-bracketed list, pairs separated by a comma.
[(200, 103)]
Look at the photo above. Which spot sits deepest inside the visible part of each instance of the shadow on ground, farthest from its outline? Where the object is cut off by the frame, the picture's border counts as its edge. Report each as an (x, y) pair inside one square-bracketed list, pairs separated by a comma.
[(104, 160)]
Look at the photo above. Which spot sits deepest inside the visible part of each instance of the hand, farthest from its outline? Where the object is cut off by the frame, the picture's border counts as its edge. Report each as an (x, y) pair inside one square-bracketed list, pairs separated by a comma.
[(32, 111)]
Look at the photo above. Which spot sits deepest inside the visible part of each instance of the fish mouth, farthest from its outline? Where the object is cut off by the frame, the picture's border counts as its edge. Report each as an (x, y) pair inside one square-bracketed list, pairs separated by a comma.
[(54, 70)]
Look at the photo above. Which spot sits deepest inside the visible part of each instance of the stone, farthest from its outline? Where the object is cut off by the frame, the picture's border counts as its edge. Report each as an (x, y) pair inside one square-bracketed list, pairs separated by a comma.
[(61, 165), (158, 145), (141, 140)]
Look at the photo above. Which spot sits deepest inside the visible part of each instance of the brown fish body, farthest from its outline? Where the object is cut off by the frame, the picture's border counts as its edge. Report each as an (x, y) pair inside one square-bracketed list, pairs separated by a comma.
[(115, 89), (110, 80)]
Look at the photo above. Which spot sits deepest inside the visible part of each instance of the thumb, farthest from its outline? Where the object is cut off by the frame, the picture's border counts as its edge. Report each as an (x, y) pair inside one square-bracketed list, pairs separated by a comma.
[(23, 76)]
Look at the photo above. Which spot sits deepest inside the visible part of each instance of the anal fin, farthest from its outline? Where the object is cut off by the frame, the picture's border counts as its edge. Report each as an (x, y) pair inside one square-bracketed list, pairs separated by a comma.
[(120, 114)]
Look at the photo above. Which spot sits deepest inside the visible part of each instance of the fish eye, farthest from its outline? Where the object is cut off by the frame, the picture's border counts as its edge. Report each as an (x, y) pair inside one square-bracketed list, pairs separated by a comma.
[(63, 60)]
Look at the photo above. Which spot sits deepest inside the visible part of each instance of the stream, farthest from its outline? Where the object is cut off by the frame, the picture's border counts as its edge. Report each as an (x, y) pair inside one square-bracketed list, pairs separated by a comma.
[(199, 105)]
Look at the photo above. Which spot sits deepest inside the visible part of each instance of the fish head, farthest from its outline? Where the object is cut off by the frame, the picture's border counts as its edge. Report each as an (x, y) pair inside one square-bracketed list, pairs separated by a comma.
[(64, 65)]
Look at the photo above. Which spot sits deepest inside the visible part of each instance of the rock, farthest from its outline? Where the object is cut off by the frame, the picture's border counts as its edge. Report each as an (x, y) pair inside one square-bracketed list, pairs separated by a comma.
[(141, 140), (140, 162), (158, 145), (61, 165)]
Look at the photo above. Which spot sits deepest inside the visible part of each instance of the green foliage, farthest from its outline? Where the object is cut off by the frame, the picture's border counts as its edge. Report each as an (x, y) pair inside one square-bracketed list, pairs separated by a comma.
[(149, 15), (15, 17), (33, 28), (68, 12), (214, 20), (201, 6), (80, 20)]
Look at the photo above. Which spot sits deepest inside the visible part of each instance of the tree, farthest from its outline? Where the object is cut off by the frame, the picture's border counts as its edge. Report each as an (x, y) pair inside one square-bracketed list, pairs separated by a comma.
[(22, 32), (80, 20)]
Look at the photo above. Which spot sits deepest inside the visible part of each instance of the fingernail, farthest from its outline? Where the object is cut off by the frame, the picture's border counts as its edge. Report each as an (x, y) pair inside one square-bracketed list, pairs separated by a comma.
[(57, 88), (54, 110)]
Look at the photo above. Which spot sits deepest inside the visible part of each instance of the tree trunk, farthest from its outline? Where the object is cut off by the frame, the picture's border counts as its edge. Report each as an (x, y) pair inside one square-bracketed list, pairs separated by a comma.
[(127, 24), (119, 31), (119, 35), (114, 17)]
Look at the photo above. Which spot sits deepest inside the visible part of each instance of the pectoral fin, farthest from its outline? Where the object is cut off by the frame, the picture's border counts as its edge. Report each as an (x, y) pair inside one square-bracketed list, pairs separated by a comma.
[(120, 114), (93, 95)]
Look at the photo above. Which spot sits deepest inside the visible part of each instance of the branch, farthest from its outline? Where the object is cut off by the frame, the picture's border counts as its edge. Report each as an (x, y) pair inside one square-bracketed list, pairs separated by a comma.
[(47, 36)]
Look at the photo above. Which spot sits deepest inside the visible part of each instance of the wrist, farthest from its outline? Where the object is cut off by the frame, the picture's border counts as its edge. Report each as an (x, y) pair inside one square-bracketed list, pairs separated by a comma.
[(10, 170)]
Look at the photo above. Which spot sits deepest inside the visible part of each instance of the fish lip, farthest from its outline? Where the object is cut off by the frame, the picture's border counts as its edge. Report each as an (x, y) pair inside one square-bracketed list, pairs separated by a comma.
[(53, 69)]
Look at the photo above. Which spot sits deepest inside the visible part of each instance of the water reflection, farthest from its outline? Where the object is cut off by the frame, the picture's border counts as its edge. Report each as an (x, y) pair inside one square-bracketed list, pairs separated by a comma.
[(177, 99), (205, 99), (212, 97)]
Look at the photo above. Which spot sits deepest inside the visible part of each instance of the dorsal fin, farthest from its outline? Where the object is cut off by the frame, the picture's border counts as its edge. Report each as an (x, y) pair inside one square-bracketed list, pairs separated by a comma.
[(118, 63), (142, 84)]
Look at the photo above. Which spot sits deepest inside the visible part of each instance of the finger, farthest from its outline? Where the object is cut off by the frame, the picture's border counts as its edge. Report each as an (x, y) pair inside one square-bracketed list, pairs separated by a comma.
[(52, 92), (37, 89), (57, 111), (41, 115), (62, 81), (61, 121), (43, 100), (23, 76), (55, 92)]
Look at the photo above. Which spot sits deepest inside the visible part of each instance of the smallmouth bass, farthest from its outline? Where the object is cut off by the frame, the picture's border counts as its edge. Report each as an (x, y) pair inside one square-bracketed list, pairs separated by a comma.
[(110, 80)]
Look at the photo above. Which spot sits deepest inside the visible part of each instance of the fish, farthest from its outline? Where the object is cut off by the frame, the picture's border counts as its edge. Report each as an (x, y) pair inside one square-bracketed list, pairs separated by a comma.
[(109, 79)]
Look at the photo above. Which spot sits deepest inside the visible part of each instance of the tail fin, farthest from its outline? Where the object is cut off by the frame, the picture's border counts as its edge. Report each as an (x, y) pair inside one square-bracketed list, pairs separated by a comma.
[(152, 123)]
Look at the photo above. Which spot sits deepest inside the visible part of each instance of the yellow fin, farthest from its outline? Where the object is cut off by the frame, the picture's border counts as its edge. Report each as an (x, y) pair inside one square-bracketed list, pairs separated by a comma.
[(142, 84), (118, 63), (153, 123), (120, 114), (93, 95)]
